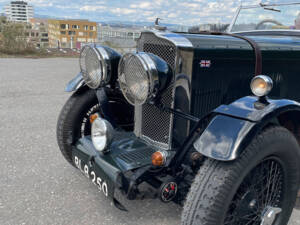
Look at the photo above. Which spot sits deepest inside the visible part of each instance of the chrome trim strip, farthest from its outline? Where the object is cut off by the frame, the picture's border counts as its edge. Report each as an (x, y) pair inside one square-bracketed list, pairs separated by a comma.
[(160, 145), (177, 39)]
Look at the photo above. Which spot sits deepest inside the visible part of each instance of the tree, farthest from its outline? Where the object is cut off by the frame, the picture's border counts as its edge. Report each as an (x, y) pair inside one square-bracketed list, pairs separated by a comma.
[(2, 22), (13, 39)]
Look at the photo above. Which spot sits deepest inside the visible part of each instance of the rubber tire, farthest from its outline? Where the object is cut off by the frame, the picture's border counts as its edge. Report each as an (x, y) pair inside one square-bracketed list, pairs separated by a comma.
[(68, 124), (217, 182)]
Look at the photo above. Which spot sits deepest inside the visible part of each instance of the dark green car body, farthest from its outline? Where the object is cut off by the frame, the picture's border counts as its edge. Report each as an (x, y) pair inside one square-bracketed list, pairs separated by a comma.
[(210, 88)]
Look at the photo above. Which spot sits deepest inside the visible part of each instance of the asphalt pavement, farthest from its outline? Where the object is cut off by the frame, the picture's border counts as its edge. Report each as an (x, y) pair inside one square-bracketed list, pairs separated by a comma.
[(37, 186)]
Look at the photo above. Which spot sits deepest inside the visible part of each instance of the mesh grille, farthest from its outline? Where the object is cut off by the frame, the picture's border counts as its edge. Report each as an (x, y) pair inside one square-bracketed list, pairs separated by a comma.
[(148, 42), (151, 123), (155, 123)]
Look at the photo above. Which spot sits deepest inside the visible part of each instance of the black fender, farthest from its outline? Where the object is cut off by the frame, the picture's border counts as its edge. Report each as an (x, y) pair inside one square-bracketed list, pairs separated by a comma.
[(104, 95), (75, 84), (234, 126)]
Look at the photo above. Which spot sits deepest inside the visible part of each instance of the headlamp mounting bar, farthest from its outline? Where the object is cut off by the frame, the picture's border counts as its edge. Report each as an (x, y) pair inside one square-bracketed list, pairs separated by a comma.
[(177, 113)]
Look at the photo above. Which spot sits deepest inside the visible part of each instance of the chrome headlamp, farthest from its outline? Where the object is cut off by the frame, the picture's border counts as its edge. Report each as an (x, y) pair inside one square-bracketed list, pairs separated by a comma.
[(102, 134), (261, 85), (142, 76), (96, 64)]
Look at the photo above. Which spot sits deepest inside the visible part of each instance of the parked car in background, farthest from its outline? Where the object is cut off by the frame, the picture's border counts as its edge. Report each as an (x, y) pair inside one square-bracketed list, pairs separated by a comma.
[(209, 121)]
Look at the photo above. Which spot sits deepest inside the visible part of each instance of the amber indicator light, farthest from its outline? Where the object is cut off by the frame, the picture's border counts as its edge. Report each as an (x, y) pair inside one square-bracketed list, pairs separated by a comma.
[(157, 159), (93, 117)]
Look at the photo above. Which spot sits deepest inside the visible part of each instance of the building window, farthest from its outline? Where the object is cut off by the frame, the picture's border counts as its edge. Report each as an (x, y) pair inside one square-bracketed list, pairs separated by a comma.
[(86, 27), (81, 39), (91, 34), (72, 32), (80, 33), (63, 26), (75, 26), (91, 27), (63, 32)]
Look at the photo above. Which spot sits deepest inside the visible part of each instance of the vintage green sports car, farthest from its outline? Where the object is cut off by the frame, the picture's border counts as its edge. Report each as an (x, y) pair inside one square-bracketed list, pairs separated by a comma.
[(208, 120)]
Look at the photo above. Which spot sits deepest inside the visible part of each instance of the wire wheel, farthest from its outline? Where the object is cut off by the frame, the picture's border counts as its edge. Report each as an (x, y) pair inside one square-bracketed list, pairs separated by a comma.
[(258, 200), (258, 188)]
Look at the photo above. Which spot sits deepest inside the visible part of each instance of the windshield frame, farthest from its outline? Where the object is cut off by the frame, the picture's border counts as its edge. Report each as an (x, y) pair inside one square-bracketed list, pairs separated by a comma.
[(261, 5)]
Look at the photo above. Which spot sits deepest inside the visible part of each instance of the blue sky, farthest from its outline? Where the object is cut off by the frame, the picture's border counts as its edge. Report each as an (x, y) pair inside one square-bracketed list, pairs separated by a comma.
[(188, 12)]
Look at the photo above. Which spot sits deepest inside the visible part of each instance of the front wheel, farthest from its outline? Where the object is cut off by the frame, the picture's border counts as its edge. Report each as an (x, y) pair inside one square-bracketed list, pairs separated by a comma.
[(73, 122), (259, 188)]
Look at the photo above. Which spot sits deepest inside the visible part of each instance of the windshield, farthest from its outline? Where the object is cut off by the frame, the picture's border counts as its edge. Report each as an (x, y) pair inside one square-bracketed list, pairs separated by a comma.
[(268, 17)]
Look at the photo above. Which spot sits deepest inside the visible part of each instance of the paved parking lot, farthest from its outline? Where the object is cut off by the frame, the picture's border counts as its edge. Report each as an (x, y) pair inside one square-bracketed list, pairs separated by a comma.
[(37, 186)]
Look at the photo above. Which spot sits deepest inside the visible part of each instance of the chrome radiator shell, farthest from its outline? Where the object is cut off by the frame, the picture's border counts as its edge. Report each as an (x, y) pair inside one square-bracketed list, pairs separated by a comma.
[(151, 124)]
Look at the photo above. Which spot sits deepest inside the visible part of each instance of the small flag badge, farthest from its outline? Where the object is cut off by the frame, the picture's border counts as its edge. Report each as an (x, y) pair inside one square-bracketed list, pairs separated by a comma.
[(205, 63)]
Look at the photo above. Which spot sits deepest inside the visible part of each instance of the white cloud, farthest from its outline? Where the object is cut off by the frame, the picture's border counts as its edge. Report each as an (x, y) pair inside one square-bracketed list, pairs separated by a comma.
[(92, 8), (143, 5), (172, 15), (124, 11)]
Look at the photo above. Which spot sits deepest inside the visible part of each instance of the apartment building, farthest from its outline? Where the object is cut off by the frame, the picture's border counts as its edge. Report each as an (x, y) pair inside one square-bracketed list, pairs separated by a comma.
[(19, 11), (71, 33), (37, 32)]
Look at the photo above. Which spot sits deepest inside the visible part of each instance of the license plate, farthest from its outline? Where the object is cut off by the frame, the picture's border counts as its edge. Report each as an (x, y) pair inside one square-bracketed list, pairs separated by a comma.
[(90, 172)]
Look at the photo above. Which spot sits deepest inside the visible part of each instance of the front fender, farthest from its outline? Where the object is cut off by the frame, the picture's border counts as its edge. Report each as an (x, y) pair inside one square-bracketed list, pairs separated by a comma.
[(235, 125), (76, 83)]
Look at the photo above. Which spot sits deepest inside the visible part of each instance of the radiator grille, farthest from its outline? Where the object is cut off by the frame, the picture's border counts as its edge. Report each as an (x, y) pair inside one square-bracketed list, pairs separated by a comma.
[(151, 124), (166, 50)]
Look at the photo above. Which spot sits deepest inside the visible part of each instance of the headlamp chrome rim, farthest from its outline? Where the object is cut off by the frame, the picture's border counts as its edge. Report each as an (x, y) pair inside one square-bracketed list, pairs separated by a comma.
[(103, 56), (266, 82), (150, 70), (103, 60)]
